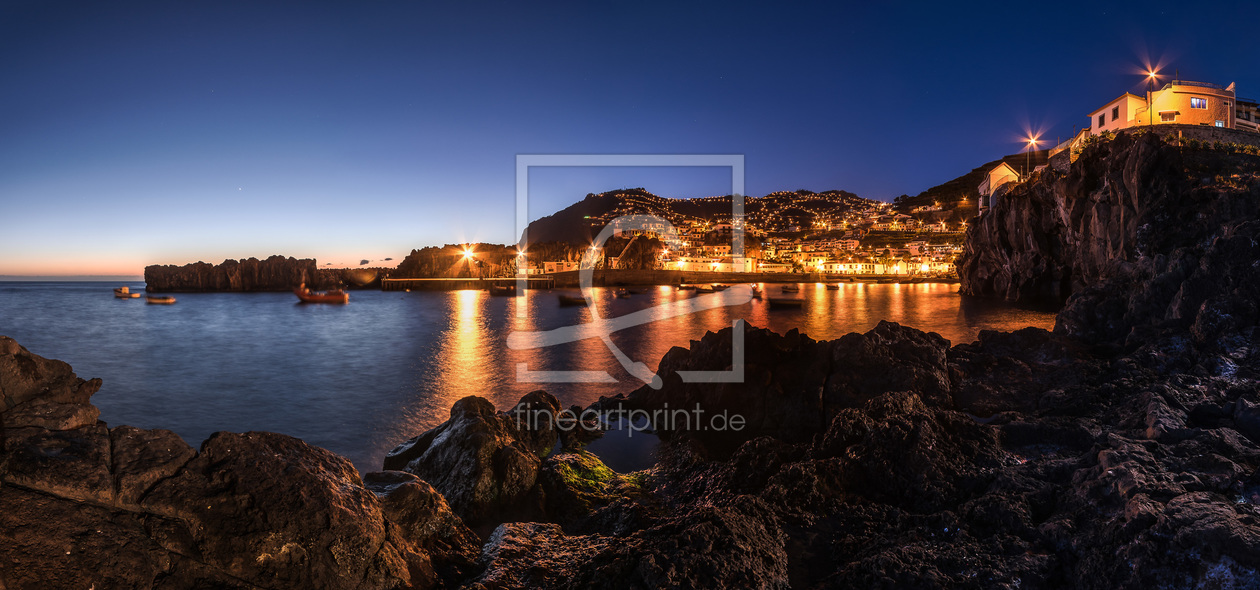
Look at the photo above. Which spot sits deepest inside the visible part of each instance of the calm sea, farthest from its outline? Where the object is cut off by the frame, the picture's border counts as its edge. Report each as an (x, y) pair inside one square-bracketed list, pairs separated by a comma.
[(360, 378)]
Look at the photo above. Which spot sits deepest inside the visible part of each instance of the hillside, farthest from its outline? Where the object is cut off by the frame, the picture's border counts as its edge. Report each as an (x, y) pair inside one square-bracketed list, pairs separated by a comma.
[(964, 187), (581, 222)]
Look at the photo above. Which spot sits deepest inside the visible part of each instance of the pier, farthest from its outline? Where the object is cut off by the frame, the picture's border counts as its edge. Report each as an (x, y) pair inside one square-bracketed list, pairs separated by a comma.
[(459, 284)]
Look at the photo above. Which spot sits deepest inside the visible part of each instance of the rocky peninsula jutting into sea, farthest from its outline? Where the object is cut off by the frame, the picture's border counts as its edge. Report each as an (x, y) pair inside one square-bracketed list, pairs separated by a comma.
[(1117, 451)]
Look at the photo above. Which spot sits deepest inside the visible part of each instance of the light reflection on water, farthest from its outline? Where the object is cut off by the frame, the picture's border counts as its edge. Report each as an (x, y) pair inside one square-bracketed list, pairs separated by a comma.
[(358, 379)]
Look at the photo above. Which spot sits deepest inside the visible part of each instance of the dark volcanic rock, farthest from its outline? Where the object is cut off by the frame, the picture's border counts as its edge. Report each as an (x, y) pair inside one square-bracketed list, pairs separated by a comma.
[(320, 526), (276, 273), (85, 506), (426, 521), (484, 462), (792, 385), (141, 458), (1148, 237), (731, 546)]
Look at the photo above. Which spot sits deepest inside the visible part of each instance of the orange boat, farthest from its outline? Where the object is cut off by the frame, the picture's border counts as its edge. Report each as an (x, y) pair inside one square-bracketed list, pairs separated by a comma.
[(334, 296)]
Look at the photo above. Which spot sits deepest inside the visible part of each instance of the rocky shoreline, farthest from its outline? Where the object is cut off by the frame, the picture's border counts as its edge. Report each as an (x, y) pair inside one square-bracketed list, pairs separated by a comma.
[(1118, 451)]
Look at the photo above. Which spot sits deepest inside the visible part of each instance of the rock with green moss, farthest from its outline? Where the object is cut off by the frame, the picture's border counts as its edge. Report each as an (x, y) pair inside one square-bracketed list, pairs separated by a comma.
[(579, 489)]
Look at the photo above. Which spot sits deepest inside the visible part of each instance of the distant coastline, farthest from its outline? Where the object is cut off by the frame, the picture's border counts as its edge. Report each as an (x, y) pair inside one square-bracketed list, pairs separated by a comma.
[(71, 279)]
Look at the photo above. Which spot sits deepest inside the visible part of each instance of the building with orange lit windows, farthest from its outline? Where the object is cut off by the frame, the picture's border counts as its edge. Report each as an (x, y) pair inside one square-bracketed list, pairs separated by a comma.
[(1179, 101)]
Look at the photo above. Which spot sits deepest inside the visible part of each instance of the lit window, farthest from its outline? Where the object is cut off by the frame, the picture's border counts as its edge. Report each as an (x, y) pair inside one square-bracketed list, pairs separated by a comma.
[(1220, 123), (1198, 103), (1102, 119), (1115, 113), (1168, 117)]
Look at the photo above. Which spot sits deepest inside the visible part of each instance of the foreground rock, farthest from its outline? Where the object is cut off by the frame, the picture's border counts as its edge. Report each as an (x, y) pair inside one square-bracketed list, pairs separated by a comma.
[(1075, 470), (484, 462), (83, 505)]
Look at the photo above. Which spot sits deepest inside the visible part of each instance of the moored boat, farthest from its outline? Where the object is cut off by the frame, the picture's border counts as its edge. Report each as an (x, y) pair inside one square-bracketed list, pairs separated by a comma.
[(335, 296), (831, 287), (704, 289), (721, 287), (160, 299), (791, 289), (125, 293), (686, 287), (623, 294), (503, 290)]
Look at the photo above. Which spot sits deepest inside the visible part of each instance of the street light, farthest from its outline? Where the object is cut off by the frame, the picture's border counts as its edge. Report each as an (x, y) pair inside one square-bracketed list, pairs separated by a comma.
[(1150, 96), (1032, 143)]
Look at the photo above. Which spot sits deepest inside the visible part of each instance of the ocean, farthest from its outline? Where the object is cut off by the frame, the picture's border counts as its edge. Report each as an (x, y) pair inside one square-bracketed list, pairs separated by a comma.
[(358, 379)]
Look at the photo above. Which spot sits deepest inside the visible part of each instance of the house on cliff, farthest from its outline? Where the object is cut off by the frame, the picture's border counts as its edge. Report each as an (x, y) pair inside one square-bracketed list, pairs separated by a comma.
[(995, 178), (1179, 101)]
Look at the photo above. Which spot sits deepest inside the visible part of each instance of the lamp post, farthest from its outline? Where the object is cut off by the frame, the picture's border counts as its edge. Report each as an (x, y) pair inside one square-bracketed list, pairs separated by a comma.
[(1032, 143), (1150, 96)]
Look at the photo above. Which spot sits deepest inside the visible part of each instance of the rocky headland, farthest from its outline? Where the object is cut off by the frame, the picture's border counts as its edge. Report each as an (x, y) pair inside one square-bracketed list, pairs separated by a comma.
[(276, 273), (1118, 451)]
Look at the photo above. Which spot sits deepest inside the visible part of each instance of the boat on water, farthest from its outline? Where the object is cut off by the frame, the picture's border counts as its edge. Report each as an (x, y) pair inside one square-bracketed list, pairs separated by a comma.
[(571, 301), (785, 302), (503, 290), (686, 287), (832, 287), (721, 287), (756, 292), (125, 293), (335, 296), (704, 289), (623, 294), (791, 289), (160, 299)]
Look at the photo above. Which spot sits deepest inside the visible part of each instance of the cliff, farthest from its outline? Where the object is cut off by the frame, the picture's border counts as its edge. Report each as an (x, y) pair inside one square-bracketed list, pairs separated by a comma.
[(276, 273), (1139, 234)]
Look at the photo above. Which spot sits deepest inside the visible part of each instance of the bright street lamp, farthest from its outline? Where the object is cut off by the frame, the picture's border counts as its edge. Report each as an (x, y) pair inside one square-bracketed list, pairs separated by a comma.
[(1032, 144)]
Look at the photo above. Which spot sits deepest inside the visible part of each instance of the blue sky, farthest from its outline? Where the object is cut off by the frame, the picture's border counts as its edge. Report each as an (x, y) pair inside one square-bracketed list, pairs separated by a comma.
[(170, 132)]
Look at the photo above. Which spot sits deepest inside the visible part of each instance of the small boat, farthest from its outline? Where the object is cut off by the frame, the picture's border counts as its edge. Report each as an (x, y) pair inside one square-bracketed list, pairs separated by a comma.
[(704, 289), (335, 296), (686, 287), (917, 280), (786, 302), (721, 287), (571, 301), (503, 290), (756, 292), (623, 294), (791, 289), (160, 299), (832, 287), (886, 280), (125, 293)]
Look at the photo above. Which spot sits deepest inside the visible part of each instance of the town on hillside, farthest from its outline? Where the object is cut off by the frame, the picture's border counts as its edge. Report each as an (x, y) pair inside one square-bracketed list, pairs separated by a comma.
[(801, 231)]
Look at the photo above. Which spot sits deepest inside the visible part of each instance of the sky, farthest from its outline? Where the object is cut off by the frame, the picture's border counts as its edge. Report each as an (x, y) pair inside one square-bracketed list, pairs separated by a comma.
[(136, 133)]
